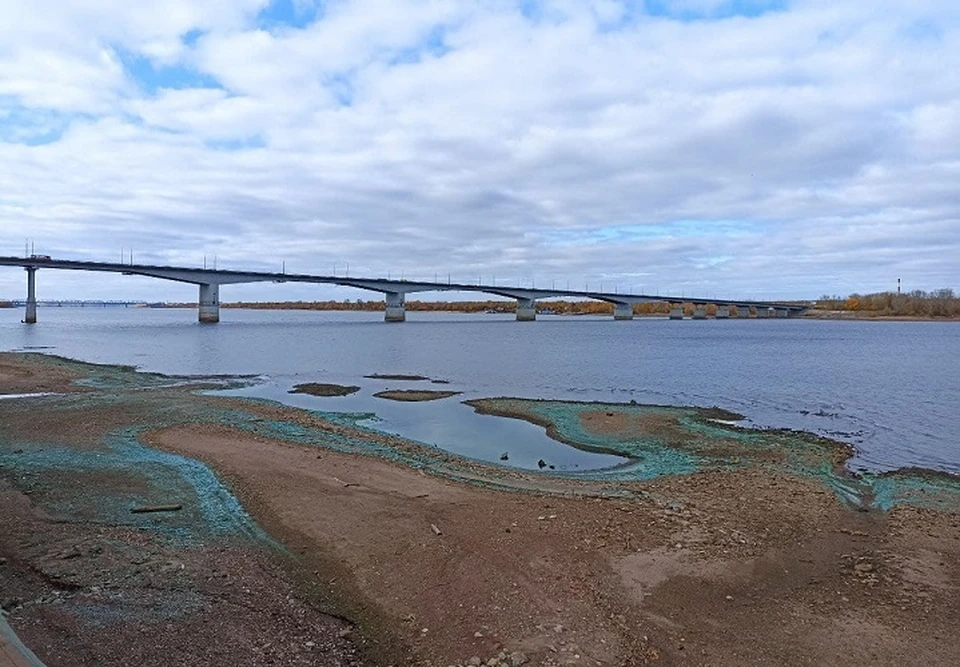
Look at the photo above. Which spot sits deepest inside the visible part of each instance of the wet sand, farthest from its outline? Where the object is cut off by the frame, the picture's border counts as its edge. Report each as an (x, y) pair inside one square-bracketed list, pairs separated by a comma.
[(434, 560), (414, 395)]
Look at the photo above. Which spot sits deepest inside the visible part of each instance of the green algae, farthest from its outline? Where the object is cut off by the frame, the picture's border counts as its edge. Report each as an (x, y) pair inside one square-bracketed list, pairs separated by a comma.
[(660, 441), (914, 488), (78, 485), (653, 454), (684, 440)]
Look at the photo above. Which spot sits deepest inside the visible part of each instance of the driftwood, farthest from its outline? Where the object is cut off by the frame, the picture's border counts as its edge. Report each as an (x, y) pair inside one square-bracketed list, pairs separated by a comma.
[(156, 508)]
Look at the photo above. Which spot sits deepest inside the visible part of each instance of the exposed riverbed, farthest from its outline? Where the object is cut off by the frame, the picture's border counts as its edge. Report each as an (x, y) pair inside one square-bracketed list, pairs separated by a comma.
[(708, 539)]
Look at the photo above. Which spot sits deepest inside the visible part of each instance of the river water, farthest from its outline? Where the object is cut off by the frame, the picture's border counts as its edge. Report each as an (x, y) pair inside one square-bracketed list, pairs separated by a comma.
[(891, 389)]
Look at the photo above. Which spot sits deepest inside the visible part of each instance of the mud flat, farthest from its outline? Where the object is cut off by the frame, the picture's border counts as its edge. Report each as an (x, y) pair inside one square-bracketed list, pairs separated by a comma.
[(324, 390), (414, 395), (306, 538)]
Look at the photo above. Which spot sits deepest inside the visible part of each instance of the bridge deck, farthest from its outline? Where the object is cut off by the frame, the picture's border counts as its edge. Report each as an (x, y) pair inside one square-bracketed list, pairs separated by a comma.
[(203, 276)]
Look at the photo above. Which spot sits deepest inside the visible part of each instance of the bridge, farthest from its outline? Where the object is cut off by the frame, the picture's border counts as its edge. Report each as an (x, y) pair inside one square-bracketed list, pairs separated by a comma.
[(394, 291)]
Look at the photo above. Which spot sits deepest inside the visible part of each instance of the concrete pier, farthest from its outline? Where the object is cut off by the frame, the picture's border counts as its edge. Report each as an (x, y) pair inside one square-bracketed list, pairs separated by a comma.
[(396, 311), (743, 312), (623, 311), (526, 310), (723, 312), (31, 315), (209, 303), (676, 313), (699, 312), (782, 312)]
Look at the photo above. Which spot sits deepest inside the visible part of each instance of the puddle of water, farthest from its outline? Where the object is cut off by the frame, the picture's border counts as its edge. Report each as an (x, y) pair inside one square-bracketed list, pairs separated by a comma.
[(446, 423)]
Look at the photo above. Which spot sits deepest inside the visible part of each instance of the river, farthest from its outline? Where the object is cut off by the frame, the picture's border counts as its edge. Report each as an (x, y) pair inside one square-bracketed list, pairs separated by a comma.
[(891, 389)]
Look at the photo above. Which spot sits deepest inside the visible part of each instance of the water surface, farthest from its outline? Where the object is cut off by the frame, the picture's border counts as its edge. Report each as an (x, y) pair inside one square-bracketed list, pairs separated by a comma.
[(889, 388)]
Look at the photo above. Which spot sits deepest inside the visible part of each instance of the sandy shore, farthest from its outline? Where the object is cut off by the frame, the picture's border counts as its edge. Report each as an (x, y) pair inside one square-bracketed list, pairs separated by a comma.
[(365, 549)]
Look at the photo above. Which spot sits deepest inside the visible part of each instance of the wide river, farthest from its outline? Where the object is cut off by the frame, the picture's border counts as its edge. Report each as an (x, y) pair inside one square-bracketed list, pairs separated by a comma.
[(892, 389)]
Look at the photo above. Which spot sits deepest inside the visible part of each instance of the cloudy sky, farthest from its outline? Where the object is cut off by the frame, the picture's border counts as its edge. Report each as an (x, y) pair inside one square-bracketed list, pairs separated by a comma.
[(763, 148)]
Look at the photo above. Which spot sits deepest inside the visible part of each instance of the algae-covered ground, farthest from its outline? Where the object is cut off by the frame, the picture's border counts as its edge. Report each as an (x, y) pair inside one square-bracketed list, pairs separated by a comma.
[(657, 440), (671, 440), (301, 537)]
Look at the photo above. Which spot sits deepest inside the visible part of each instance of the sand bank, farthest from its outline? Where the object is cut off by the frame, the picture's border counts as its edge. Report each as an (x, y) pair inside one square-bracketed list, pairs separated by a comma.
[(414, 395)]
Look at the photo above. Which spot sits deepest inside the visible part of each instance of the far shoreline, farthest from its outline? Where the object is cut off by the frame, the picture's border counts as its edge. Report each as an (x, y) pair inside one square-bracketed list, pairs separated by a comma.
[(507, 309)]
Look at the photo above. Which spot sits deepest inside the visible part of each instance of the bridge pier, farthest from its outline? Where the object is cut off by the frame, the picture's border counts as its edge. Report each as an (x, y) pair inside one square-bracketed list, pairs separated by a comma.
[(743, 312), (782, 312), (623, 311), (723, 312), (396, 311), (699, 312), (676, 313), (209, 303), (30, 317), (526, 310)]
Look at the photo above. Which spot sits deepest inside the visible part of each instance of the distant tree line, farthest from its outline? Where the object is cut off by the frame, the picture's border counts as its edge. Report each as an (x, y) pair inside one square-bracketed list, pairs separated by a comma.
[(938, 303), (942, 303), (559, 307)]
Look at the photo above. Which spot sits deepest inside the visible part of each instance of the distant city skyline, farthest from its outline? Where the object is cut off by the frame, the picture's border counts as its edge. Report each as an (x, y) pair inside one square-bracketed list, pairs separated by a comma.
[(754, 149)]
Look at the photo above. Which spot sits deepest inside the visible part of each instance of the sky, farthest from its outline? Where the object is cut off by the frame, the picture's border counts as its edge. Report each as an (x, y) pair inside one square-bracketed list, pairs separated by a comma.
[(742, 148)]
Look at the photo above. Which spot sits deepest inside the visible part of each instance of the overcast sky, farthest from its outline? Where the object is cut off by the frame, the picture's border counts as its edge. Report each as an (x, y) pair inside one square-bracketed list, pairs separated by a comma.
[(762, 148)]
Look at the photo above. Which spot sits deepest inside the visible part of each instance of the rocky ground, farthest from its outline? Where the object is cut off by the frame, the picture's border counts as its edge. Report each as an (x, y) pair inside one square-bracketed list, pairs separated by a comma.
[(394, 556), (105, 595)]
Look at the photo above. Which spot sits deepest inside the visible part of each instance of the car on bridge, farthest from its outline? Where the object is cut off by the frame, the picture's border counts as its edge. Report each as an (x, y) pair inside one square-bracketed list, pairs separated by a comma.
[(42, 258)]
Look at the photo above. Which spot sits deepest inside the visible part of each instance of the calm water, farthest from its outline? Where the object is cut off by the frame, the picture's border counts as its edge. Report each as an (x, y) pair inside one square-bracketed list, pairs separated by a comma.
[(890, 388)]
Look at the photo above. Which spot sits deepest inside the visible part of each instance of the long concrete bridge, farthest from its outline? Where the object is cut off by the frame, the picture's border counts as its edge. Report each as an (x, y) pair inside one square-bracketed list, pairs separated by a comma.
[(394, 291)]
